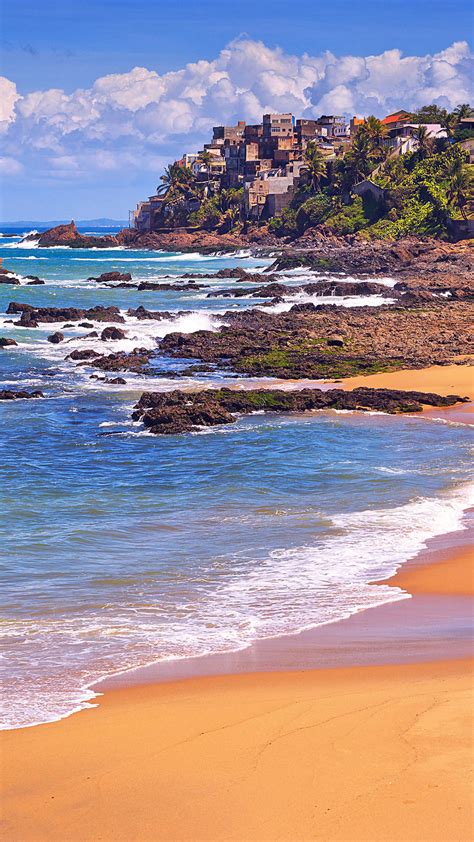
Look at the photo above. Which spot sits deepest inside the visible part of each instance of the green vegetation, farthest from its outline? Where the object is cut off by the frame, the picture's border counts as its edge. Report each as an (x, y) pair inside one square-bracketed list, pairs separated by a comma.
[(422, 189)]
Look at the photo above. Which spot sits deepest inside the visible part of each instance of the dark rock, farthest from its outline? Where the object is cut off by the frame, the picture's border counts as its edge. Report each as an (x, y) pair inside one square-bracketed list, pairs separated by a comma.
[(8, 278), (34, 280), (110, 277), (82, 324), (112, 333), (86, 354), (336, 341), (136, 361), (9, 395), (4, 342), (56, 338), (119, 381), (64, 314), (157, 315), (179, 412)]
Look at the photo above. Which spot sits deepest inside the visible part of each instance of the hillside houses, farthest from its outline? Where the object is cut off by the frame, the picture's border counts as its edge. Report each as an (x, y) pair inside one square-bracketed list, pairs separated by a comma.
[(267, 160)]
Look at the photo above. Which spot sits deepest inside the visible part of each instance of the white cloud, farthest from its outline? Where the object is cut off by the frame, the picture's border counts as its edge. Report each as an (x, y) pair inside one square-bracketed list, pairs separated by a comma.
[(128, 120), (8, 98), (10, 166)]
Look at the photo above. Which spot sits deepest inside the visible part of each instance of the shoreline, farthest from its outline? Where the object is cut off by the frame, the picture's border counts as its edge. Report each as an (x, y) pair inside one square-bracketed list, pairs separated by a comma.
[(373, 752), (359, 728)]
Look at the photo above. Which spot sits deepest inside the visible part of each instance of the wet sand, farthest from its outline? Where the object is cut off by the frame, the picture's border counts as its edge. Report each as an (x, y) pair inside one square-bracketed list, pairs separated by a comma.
[(359, 730), (349, 753)]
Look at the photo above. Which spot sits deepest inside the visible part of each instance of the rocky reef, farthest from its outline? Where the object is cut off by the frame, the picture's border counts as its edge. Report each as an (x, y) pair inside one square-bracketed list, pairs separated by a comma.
[(182, 412), (331, 342)]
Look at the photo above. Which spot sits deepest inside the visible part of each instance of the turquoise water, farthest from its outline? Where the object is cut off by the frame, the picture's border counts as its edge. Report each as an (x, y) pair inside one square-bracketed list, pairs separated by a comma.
[(120, 548)]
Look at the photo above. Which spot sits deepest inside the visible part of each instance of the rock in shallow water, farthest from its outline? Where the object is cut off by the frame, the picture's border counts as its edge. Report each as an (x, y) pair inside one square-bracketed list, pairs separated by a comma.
[(56, 338), (181, 412), (9, 395)]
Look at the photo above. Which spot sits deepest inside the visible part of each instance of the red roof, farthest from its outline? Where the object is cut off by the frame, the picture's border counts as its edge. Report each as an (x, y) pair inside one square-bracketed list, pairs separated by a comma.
[(396, 117)]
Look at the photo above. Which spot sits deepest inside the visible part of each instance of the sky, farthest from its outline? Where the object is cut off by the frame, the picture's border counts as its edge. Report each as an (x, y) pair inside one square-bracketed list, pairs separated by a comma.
[(96, 97)]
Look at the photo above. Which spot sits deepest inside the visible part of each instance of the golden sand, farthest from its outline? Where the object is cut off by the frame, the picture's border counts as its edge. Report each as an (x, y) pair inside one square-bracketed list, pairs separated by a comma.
[(454, 575), (378, 753), (444, 380)]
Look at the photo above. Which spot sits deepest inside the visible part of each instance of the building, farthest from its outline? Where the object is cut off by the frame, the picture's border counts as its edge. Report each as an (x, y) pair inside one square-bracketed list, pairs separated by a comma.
[(332, 126), (231, 134), (278, 125), (403, 137), (398, 118)]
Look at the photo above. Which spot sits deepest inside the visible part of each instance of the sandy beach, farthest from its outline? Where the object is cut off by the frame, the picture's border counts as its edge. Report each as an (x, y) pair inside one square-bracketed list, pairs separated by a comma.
[(279, 750)]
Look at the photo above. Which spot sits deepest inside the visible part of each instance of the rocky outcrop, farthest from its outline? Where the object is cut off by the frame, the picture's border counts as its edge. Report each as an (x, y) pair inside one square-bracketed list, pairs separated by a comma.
[(68, 235), (7, 277), (112, 333), (112, 277), (318, 288), (161, 287), (142, 313), (9, 395), (181, 412), (31, 316), (33, 280), (56, 338), (296, 344), (7, 342), (136, 361)]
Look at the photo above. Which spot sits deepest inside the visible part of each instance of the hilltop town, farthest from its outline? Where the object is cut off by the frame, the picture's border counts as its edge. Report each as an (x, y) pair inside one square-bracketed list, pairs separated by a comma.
[(408, 173)]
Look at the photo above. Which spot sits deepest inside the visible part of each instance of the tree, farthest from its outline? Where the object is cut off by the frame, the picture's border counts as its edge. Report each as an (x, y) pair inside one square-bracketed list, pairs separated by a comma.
[(205, 158), (450, 123), (358, 161), (458, 186), (375, 132), (463, 110), (423, 141), (430, 114), (176, 181), (316, 164)]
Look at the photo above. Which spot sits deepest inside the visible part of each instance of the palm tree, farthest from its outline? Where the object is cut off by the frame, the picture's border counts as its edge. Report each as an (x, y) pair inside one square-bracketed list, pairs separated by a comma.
[(458, 187), (316, 165), (423, 141), (463, 110), (358, 159), (176, 180), (205, 158), (450, 123), (375, 131)]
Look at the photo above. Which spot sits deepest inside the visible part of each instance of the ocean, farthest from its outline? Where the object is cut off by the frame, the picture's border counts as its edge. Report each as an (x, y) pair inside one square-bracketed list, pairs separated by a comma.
[(119, 548)]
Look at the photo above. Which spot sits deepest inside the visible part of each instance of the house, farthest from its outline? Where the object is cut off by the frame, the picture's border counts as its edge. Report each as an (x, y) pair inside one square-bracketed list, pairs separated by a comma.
[(355, 124), (398, 118), (148, 213), (278, 125), (332, 126), (467, 123), (231, 134), (368, 188), (403, 137)]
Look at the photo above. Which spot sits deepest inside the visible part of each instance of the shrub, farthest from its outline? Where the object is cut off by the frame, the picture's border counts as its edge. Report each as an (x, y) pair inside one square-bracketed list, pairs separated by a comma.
[(284, 225), (313, 211)]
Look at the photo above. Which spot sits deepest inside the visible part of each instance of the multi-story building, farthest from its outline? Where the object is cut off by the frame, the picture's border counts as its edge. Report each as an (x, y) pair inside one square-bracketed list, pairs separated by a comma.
[(266, 159)]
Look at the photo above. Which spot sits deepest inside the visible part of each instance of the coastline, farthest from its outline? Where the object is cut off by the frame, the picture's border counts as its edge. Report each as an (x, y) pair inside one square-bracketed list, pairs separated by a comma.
[(387, 689), (374, 752)]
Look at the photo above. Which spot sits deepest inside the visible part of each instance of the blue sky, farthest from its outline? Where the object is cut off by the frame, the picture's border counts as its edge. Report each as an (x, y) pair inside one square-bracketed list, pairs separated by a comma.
[(98, 152)]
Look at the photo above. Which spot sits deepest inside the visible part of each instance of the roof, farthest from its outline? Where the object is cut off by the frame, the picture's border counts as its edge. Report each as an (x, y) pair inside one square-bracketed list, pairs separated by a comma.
[(396, 117)]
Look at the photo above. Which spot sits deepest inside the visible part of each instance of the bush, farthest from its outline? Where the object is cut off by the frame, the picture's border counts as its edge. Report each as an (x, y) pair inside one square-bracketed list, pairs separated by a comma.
[(313, 211), (284, 225), (349, 219)]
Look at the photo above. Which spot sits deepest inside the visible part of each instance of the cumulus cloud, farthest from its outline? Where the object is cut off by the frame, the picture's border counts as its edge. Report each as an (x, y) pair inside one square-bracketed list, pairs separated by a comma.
[(131, 121)]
